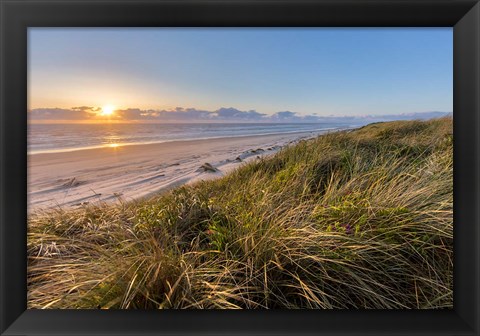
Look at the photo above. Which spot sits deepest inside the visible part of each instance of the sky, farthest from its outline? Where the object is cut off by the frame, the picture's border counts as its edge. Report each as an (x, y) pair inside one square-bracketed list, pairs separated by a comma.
[(147, 72)]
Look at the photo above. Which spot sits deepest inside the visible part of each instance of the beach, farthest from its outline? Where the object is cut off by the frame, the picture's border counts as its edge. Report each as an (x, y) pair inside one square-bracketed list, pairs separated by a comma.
[(117, 173), (334, 216)]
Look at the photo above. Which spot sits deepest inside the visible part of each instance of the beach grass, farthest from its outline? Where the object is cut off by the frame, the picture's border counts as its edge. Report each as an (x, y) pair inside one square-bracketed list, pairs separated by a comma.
[(351, 219)]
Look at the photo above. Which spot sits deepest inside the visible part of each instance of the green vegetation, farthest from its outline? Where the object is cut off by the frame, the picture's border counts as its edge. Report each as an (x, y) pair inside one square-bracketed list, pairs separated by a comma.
[(353, 219)]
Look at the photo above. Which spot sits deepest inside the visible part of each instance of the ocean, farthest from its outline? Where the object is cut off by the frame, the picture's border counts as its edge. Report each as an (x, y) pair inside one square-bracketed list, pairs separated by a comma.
[(51, 138)]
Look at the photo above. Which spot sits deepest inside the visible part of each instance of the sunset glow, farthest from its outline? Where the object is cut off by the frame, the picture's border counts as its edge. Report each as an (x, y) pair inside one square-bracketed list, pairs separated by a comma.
[(108, 110)]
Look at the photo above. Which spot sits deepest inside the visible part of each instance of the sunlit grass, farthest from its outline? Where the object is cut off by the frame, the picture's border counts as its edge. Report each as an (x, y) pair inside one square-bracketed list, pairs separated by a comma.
[(359, 219)]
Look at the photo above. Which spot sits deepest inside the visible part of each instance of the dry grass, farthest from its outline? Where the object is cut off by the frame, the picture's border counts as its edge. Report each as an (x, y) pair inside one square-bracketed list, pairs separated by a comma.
[(359, 219)]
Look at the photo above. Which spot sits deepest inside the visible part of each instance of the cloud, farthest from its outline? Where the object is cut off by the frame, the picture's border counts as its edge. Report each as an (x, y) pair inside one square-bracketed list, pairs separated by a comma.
[(232, 113), (176, 114), (285, 116), (60, 114), (90, 109), (223, 114)]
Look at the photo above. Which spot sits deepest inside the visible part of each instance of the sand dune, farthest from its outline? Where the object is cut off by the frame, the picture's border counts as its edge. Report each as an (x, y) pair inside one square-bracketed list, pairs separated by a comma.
[(73, 179)]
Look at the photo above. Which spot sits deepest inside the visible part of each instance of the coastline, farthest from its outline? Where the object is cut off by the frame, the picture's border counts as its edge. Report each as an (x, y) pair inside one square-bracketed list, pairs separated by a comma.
[(76, 178)]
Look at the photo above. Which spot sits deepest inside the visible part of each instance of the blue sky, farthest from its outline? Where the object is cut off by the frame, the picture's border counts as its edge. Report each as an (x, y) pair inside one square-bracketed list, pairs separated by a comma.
[(322, 71)]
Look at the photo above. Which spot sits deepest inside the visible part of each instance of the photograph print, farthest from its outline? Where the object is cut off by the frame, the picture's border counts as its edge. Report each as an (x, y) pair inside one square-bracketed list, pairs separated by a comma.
[(240, 168)]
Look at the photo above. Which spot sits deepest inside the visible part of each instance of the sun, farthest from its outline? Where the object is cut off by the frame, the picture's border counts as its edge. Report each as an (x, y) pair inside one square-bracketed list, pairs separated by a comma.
[(108, 110)]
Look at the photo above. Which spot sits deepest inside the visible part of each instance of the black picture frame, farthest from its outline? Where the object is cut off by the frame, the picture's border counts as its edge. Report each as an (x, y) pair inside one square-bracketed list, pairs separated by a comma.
[(18, 15)]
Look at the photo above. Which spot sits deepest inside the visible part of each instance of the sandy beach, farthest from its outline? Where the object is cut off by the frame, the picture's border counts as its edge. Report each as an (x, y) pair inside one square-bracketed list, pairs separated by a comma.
[(123, 173)]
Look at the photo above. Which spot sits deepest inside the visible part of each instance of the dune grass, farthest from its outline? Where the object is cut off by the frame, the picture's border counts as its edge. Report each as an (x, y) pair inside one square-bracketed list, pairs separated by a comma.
[(353, 219)]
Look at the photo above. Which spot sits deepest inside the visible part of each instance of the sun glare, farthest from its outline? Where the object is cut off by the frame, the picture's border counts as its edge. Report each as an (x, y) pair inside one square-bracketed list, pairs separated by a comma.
[(108, 110)]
